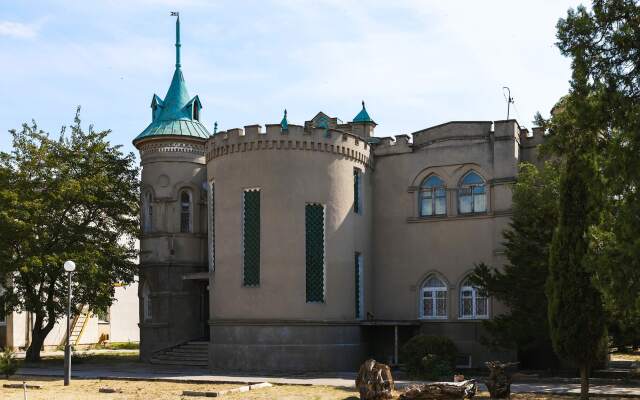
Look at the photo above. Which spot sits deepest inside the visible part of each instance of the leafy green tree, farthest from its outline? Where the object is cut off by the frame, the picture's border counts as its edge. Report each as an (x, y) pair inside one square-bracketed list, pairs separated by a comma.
[(75, 197), (604, 42), (520, 284)]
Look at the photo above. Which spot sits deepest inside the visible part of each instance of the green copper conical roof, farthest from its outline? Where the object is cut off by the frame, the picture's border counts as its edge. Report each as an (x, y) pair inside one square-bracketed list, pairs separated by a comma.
[(363, 115), (177, 114)]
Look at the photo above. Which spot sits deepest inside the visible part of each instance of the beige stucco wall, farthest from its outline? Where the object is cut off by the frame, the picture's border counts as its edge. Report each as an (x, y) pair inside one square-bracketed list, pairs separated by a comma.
[(291, 170)]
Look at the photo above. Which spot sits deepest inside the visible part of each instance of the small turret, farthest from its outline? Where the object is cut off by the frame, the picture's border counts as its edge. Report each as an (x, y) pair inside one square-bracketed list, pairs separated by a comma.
[(362, 124)]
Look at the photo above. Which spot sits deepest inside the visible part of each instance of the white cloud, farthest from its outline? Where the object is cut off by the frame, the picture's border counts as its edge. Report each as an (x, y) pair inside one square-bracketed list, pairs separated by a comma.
[(19, 30)]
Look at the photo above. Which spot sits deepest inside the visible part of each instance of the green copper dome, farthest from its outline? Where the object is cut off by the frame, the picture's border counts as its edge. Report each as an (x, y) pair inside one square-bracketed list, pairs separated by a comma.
[(177, 114), (363, 116)]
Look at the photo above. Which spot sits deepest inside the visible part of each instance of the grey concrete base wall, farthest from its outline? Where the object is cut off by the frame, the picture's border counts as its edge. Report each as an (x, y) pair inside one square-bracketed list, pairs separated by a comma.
[(176, 308), (286, 347), (467, 337)]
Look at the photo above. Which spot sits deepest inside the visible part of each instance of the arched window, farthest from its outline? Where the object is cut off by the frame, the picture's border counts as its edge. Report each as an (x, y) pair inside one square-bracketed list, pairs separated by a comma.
[(147, 212), (146, 301), (472, 196), (433, 197), (474, 303), (185, 212), (434, 298)]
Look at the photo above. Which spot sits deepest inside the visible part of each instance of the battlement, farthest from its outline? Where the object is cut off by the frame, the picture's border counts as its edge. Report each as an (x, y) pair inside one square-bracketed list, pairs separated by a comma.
[(533, 139), (295, 137)]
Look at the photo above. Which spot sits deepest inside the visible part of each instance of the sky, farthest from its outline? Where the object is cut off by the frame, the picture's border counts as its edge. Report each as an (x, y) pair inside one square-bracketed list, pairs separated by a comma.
[(416, 63)]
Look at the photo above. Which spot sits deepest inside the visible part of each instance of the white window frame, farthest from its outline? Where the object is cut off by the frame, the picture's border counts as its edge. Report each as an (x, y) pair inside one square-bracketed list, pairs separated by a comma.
[(433, 193), (466, 286), (434, 290)]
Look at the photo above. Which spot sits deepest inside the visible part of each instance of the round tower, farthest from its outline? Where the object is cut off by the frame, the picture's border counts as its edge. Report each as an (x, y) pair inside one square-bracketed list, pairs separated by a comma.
[(292, 209), (173, 259)]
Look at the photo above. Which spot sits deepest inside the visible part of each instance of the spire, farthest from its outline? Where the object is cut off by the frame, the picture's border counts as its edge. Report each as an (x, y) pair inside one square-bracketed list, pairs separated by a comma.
[(284, 124), (363, 115), (177, 14)]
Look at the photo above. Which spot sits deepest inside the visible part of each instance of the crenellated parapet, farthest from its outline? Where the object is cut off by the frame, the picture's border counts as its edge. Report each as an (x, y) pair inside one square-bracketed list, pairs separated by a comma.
[(296, 138)]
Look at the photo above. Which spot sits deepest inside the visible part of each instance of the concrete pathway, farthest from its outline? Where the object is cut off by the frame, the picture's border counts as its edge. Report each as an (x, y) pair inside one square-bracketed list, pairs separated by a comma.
[(140, 371)]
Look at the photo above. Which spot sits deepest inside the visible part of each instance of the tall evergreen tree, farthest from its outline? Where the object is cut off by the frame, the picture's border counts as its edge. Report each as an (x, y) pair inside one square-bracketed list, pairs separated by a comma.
[(72, 198), (520, 284)]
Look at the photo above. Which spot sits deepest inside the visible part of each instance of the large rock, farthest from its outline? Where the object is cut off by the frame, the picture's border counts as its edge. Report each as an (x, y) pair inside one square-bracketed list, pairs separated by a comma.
[(440, 390), (374, 381)]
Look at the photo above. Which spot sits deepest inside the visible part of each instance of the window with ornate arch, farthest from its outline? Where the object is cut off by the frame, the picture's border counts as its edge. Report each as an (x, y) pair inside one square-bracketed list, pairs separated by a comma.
[(433, 197), (474, 303), (433, 299), (147, 212), (185, 211), (472, 195), (146, 302)]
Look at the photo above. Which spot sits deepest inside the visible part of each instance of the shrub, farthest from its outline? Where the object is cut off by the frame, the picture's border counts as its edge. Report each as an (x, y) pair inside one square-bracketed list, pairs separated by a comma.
[(429, 357), (8, 363)]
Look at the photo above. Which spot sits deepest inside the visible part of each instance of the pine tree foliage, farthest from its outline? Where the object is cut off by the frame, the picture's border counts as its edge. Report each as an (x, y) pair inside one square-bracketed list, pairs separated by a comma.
[(76, 198), (520, 284)]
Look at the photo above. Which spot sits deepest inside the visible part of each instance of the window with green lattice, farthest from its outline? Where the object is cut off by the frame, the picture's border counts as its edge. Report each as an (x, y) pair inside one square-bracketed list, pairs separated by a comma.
[(251, 237), (314, 246), (359, 286), (357, 195)]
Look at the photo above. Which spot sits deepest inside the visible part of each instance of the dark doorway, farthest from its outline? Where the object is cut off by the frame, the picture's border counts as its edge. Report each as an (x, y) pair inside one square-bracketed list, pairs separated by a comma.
[(204, 310)]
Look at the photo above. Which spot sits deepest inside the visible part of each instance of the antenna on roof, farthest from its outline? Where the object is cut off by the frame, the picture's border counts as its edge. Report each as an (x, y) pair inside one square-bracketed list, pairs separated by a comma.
[(508, 98), (177, 14)]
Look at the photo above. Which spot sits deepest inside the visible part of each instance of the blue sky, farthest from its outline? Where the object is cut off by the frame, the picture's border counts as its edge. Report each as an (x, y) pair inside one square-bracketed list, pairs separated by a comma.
[(416, 63)]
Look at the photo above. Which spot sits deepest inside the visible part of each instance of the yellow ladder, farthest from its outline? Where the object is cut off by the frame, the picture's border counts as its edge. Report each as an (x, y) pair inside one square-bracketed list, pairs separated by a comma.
[(78, 326)]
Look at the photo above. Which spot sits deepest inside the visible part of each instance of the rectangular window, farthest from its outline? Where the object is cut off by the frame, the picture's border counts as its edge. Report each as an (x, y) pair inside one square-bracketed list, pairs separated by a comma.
[(104, 316), (314, 252), (251, 237), (357, 195), (211, 225), (359, 293)]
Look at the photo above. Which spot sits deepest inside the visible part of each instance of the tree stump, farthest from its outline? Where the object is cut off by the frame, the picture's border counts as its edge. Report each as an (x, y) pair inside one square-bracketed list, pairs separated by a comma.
[(441, 391), (499, 382), (374, 381)]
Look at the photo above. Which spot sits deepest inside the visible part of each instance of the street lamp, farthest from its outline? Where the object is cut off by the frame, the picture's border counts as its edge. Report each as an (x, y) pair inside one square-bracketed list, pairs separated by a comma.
[(69, 267)]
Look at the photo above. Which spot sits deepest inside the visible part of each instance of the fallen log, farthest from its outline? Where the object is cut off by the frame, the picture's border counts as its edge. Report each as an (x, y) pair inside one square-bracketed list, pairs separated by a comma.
[(440, 391)]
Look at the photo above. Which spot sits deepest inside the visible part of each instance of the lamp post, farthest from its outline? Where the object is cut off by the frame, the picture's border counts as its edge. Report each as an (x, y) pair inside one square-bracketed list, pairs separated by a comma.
[(69, 267)]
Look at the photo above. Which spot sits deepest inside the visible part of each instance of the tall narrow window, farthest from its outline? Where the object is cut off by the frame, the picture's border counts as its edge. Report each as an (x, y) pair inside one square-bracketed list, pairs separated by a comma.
[(147, 212), (359, 293), (474, 303), (211, 206), (251, 237), (196, 112), (185, 212), (314, 252), (146, 302), (472, 197), (434, 299), (433, 197), (357, 191)]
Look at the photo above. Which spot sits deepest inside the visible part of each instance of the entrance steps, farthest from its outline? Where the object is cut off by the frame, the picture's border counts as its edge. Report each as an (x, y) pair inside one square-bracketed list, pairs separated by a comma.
[(193, 353)]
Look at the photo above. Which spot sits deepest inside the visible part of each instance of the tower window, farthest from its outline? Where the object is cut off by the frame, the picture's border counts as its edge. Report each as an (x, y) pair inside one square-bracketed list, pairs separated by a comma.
[(357, 191), (314, 252), (147, 212), (251, 237), (359, 292), (196, 112), (146, 302), (185, 212)]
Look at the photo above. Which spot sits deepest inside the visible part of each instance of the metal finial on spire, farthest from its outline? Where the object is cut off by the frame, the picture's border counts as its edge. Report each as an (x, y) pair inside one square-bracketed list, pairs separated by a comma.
[(177, 14), (362, 103), (215, 127), (284, 124)]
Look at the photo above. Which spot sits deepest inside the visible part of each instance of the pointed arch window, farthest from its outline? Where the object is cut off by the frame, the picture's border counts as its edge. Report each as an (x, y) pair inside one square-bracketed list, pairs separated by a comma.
[(433, 299), (147, 212), (474, 303), (472, 195), (433, 197), (146, 302), (185, 211), (196, 112)]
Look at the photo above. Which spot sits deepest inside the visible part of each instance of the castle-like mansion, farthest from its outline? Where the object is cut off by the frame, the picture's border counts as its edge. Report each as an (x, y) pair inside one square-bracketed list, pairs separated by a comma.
[(314, 246)]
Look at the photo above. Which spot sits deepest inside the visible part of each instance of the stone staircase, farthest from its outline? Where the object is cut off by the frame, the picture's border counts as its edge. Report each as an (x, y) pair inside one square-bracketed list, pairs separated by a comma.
[(193, 354)]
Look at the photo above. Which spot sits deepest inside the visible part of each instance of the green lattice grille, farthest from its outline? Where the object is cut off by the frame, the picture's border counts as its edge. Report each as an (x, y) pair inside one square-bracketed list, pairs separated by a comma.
[(314, 243), (251, 238), (356, 191), (358, 260)]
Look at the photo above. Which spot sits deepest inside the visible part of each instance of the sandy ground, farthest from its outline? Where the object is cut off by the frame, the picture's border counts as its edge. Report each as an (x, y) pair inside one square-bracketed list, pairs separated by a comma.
[(88, 389)]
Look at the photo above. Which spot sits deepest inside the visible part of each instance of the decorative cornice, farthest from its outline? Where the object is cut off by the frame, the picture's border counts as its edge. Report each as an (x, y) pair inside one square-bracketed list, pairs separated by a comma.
[(171, 147)]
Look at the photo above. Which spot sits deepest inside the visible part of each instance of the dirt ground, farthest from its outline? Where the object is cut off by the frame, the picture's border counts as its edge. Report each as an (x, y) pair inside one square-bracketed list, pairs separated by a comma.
[(81, 389)]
